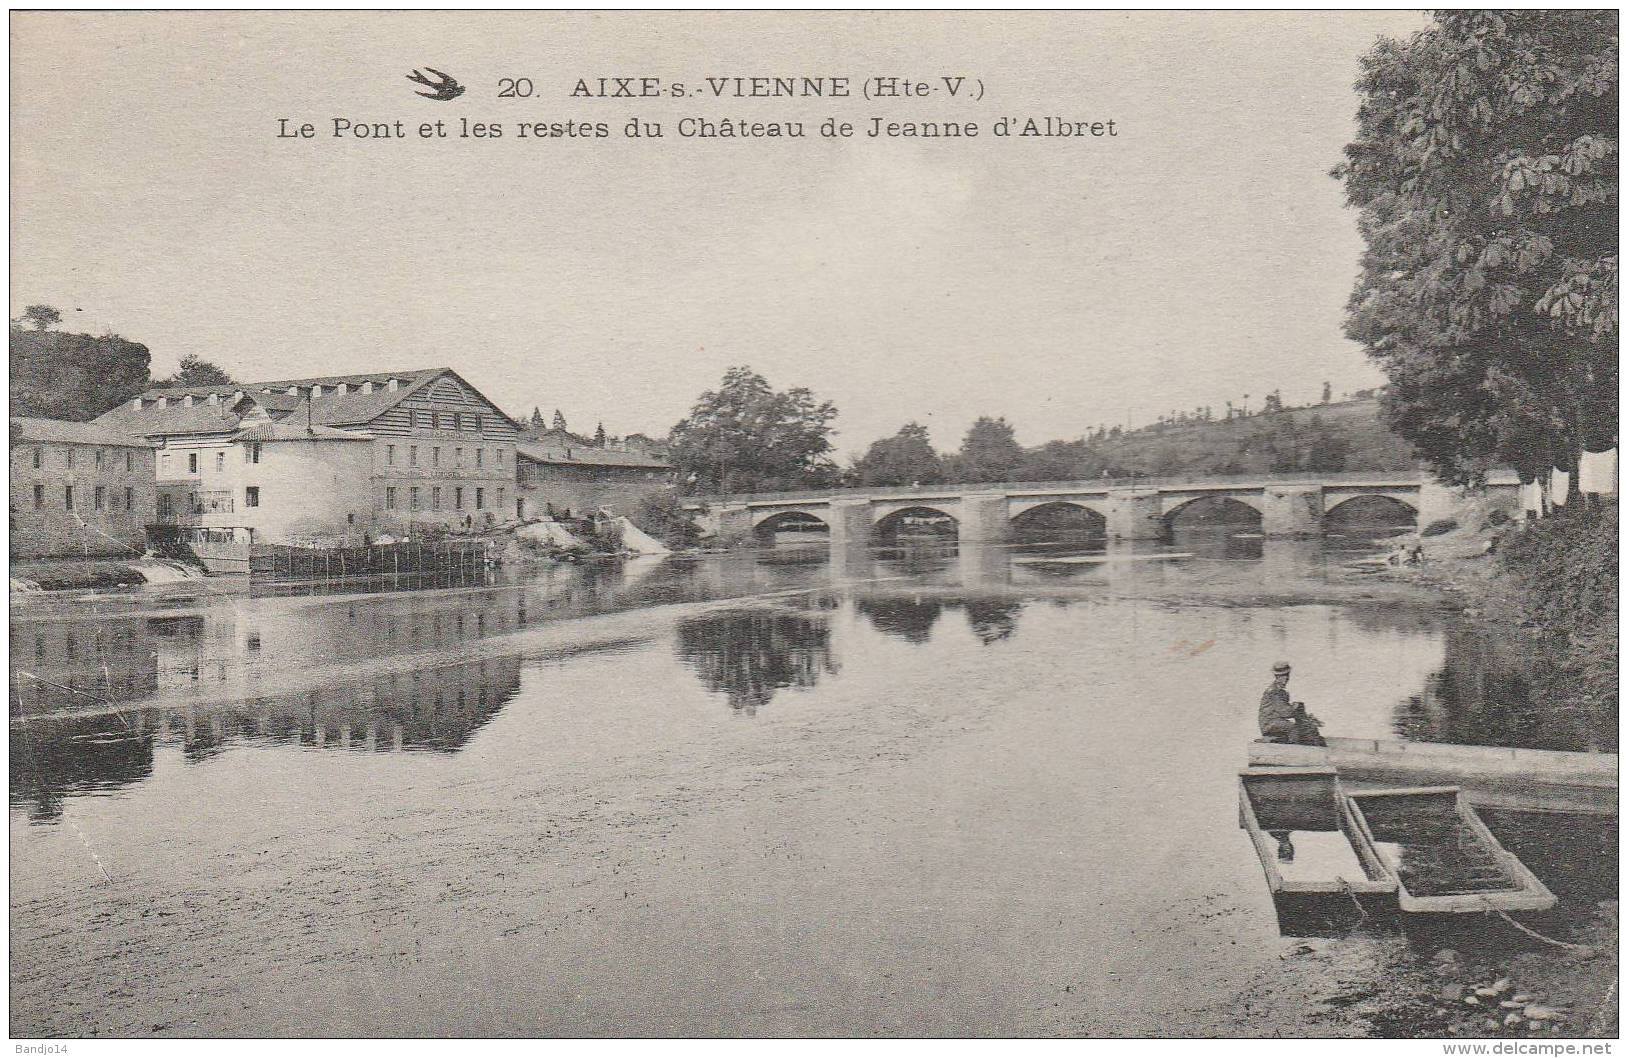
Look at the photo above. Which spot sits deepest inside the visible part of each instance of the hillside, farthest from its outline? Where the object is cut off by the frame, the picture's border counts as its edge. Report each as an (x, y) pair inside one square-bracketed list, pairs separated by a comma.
[(1325, 437)]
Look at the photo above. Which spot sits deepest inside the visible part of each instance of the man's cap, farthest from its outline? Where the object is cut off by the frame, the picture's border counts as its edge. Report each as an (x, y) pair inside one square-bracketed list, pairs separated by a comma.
[(1281, 667)]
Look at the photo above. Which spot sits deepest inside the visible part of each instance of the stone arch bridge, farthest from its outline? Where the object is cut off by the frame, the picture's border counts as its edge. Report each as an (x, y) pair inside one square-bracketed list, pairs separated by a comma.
[(1129, 510)]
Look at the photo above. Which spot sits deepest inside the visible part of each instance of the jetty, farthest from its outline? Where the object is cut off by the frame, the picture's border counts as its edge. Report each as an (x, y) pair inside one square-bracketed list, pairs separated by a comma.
[(1532, 780)]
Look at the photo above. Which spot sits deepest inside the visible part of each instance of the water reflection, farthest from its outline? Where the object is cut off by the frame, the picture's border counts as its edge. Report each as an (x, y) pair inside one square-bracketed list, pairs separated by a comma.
[(910, 618), (436, 709), (1483, 695), (748, 655), (993, 619)]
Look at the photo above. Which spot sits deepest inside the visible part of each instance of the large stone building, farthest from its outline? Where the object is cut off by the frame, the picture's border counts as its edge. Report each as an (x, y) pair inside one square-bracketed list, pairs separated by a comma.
[(78, 489), (324, 459), (571, 481)]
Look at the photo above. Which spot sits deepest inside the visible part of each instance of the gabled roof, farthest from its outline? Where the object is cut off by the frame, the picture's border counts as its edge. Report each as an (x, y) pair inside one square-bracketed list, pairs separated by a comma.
[(331, 408), (30, 428)]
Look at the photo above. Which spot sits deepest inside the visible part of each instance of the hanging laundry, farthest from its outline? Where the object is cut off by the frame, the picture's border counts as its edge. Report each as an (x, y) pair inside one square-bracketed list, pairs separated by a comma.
[(1559, 485), (1597, 473), (1532, 498)]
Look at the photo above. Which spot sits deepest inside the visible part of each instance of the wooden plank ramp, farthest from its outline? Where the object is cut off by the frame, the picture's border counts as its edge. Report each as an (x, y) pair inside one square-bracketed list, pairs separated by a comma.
[(1535, 780)]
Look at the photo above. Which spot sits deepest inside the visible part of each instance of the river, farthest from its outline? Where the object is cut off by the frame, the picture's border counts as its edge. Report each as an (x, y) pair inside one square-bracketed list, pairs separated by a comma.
[(913, 792)]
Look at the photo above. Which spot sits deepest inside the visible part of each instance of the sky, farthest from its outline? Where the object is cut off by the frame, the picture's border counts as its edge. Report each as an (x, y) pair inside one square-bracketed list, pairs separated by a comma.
[(1201, 254)]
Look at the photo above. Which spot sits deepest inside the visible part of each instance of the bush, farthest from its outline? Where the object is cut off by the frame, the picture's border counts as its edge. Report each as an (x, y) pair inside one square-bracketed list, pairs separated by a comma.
[(1440, 526), (662, 515), (1566, 566)]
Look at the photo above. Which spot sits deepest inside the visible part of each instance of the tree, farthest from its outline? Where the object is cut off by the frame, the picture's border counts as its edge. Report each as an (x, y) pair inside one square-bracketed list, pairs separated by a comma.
[(43, 317), (1059, 461), (1485, 167), (1273, 402), (196, 371), (73, 376), (906, 458), (559, 421), (537, 417), (744, 437), (989, 452), (599, 436), (1328, 392)]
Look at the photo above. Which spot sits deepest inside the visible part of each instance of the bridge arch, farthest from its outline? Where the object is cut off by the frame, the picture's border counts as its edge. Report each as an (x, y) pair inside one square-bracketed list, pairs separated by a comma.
[(1372, 509), (766, 524), (917, 521), (1059, 517), (1213, 509)]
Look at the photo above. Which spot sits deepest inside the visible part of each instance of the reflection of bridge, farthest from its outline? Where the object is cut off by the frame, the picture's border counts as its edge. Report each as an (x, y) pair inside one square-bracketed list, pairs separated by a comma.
[(1288, 505)]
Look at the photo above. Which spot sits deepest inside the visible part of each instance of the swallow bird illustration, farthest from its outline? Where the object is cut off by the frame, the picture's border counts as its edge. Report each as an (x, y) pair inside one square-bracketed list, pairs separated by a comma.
[(444, 89)]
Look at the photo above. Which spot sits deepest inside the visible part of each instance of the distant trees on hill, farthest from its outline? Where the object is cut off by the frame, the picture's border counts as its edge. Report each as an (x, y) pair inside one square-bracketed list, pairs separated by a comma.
[(71, 376)]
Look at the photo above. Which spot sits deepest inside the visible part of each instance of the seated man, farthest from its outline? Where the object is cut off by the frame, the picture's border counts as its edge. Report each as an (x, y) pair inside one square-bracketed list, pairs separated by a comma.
[(1282, 720)]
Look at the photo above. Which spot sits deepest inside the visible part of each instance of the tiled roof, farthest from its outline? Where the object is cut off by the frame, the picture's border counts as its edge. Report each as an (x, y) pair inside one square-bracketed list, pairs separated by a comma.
[(332, 408), (28, 428), (605, 457)]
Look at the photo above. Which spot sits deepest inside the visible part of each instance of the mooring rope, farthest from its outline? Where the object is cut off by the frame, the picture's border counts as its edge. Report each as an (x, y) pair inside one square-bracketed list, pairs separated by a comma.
[(1534, 934)]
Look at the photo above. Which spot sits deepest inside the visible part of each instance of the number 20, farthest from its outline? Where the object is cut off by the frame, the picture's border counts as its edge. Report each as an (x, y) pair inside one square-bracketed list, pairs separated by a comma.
[(514, 88)]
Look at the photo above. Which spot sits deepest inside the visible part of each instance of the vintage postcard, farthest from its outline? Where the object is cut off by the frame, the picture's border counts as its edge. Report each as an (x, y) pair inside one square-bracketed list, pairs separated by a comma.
[(814, 524)]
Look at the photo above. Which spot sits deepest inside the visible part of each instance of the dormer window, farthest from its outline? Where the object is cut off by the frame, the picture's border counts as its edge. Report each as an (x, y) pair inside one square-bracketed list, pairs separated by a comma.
[(342, 389), (163, 402), (213, 398), (186, 401), (293, 391), (394, 384), (367, 387), (316, 391), (135, 404)]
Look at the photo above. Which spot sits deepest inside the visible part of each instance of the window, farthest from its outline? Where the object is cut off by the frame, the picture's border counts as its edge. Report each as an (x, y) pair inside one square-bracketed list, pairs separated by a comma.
[(457, 457), (220, 462), (458, 498), (435, 420), (129, 499), (251, 453), (39, 496), (497, 455), (435, 456), (501, 499), (164, 462), (251, 496), (165, 506), (477, 424), (412, 455), (480, 456), (435, 497), (69, 452), (99, 498), (39, 457), (192, 462), (67, 497), (98, 459), (480, 499), (389, 455), (390, 499), (412, 498)]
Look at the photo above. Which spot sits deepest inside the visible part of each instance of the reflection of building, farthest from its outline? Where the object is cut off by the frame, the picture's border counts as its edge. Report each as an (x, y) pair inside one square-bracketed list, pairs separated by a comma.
[(78, 488), (72, 664), (437, 709), (572, 480), (748, 655), (324, 457)]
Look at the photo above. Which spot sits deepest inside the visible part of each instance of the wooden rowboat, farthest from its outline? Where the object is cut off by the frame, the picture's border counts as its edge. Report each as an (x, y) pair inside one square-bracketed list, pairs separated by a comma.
[(1309, 844), (1441, 855)]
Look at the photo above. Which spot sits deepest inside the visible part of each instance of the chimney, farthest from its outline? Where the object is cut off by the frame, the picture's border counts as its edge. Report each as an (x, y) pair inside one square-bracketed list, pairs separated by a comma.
[(135, 403)]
